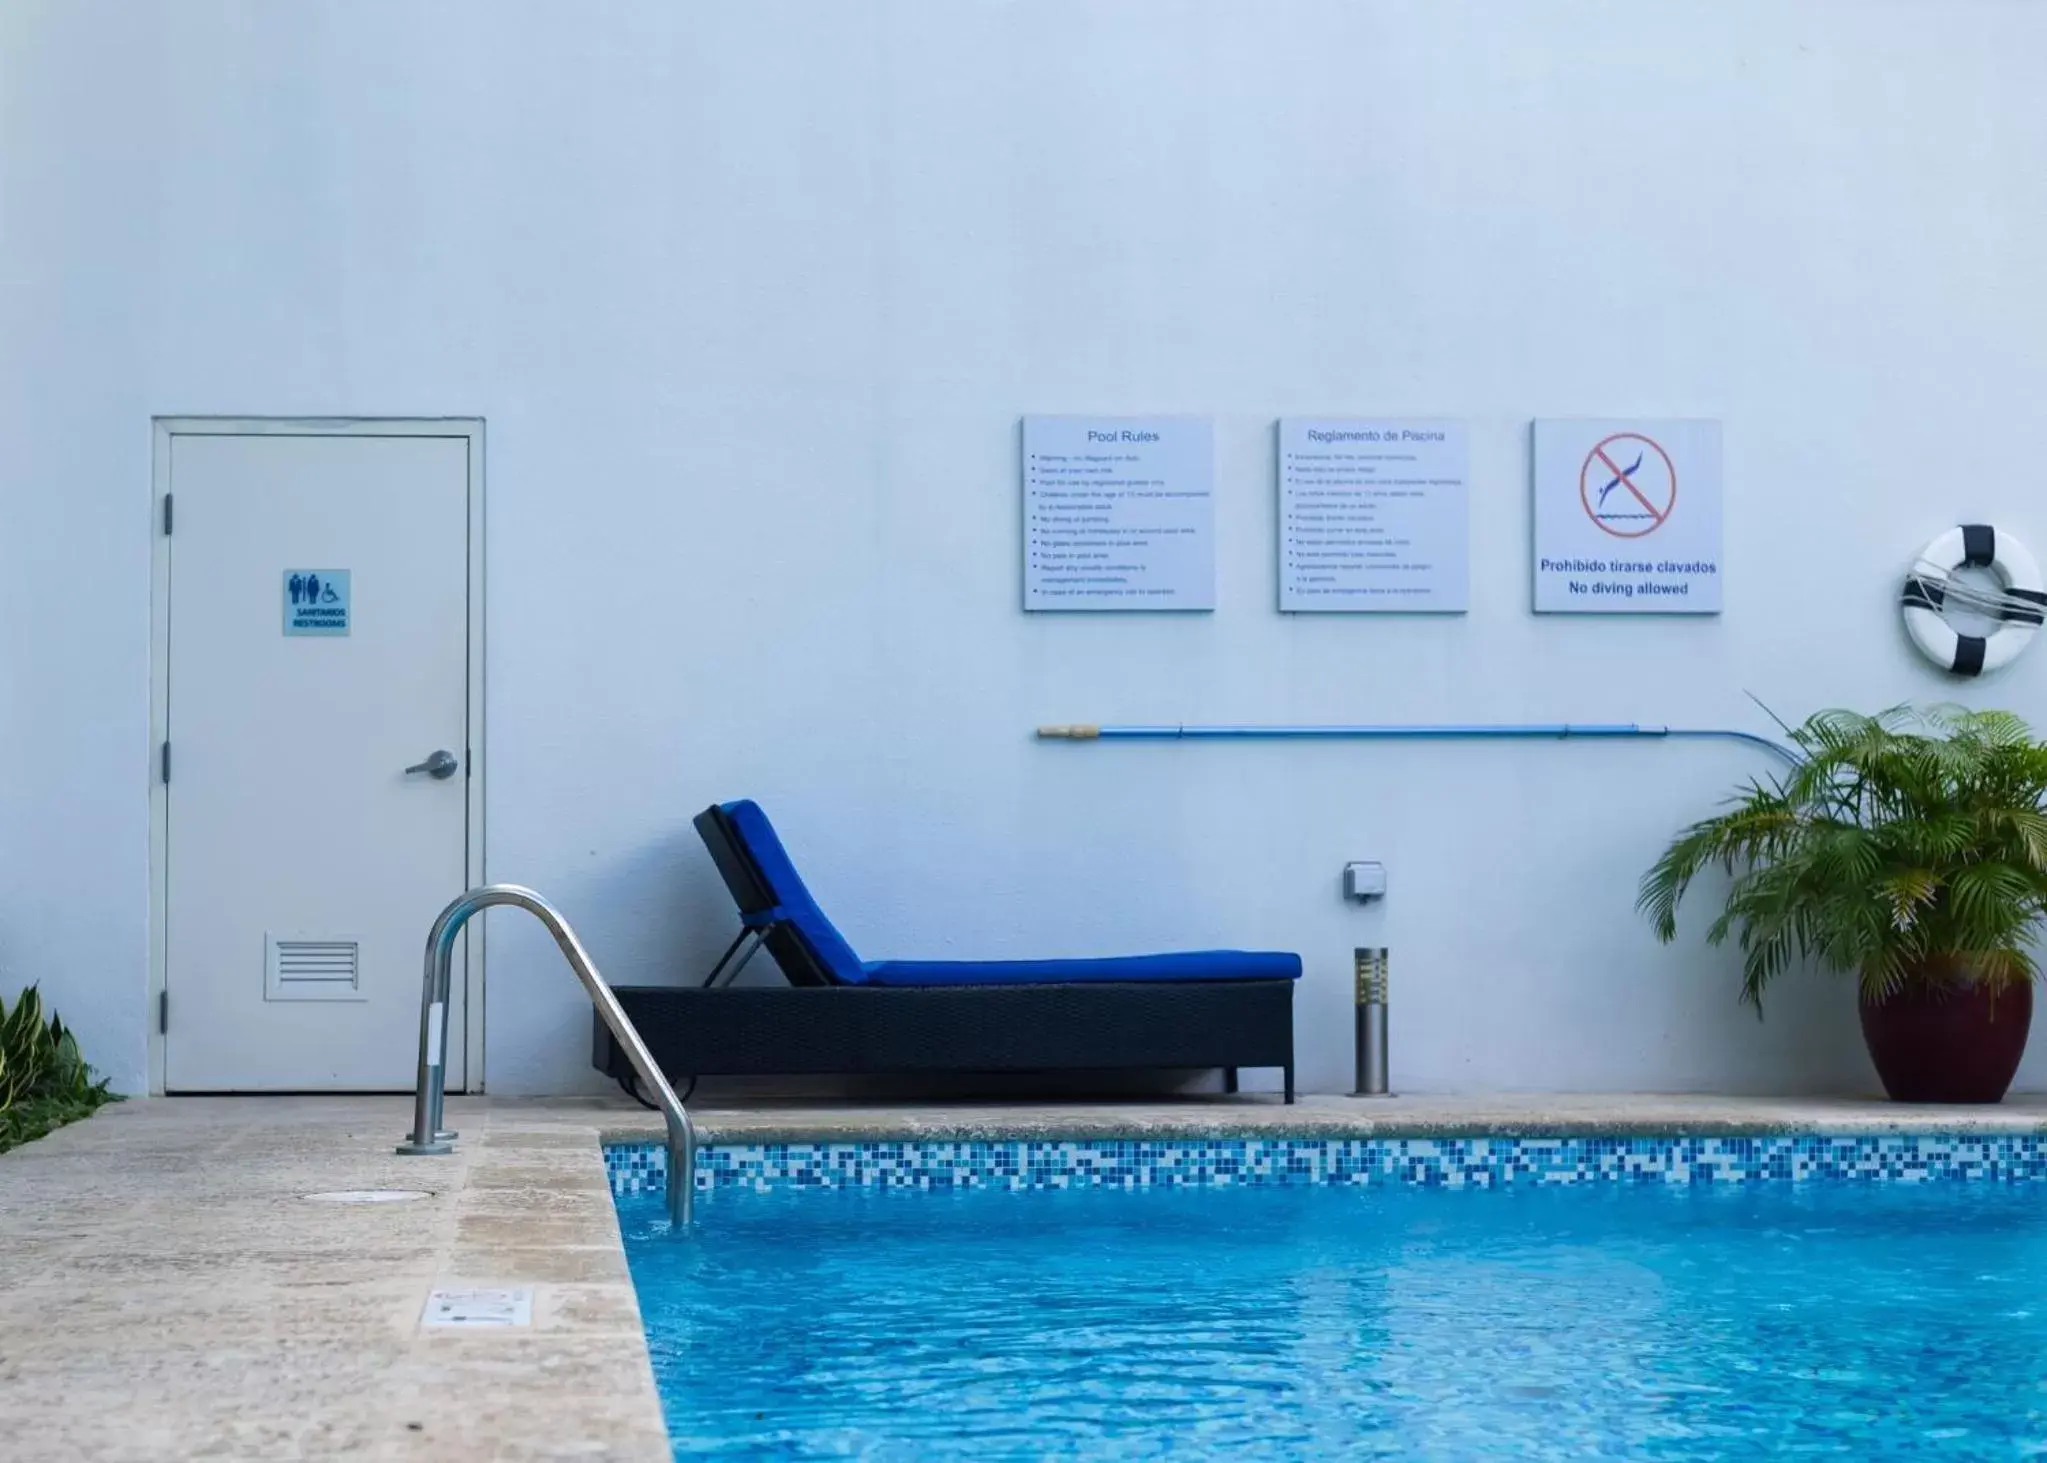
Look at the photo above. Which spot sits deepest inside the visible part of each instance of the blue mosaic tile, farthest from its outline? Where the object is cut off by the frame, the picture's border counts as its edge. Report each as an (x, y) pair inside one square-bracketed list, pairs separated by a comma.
[(1455, 1163)]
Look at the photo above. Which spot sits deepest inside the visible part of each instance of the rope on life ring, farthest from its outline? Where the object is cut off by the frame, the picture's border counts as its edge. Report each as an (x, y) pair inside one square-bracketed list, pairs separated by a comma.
[(2018, 604)]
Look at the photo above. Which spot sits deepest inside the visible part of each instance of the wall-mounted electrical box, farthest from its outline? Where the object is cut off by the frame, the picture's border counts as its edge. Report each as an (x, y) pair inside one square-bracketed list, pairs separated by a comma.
[(1364, 882)]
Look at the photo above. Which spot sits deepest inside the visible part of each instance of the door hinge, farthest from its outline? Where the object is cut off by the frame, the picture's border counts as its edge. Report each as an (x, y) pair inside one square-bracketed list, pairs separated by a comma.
[(163, 1013), (165, 764), (167, 515)]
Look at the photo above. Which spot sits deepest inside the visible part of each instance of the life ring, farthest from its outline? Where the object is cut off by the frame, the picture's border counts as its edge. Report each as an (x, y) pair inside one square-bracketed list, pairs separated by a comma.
[(2019, 602)]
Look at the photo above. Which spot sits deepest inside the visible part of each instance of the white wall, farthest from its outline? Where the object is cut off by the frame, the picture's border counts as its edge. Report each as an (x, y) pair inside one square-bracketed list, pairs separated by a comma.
[(752, 296)]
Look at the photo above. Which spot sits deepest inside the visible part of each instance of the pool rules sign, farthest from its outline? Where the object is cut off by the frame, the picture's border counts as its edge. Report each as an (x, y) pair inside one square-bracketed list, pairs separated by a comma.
[(1627, 517)]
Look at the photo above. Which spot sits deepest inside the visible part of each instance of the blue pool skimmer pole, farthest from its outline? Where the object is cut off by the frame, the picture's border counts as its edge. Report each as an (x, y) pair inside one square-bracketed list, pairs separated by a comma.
[(1448, 732)]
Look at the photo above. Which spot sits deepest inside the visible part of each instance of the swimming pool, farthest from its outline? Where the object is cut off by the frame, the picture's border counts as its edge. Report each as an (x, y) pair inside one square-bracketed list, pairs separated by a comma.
[(1638, 1320)]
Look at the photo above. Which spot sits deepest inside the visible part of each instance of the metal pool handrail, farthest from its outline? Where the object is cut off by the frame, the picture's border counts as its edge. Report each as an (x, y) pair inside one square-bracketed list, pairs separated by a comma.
[(429, 1137)]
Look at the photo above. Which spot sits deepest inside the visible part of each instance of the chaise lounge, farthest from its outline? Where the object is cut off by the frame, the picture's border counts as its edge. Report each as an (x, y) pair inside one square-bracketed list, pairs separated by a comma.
[(841, 1015)]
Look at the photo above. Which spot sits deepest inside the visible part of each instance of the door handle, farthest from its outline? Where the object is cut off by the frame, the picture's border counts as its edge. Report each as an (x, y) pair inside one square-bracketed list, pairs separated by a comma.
[(441, 766)]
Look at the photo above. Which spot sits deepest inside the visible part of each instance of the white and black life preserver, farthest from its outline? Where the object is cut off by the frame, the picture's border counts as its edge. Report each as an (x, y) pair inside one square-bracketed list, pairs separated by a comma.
[(2019, 602)]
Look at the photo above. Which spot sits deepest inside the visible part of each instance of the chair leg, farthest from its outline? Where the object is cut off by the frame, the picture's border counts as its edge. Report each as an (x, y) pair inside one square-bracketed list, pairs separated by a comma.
[(1229, 1079), (719, 969), (727, 970), (1289, 1084)]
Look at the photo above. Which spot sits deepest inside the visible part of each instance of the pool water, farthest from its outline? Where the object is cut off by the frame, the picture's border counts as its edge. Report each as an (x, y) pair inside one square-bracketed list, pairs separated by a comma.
[(1829, 1320)]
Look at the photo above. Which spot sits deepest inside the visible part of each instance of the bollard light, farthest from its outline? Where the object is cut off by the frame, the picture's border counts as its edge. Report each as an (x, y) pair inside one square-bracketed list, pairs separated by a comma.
[(1372, 1068)]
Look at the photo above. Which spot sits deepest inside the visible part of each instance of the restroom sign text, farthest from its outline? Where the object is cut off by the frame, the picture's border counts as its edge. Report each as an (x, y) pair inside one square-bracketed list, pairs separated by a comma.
[(316, 602), (1627, 517)]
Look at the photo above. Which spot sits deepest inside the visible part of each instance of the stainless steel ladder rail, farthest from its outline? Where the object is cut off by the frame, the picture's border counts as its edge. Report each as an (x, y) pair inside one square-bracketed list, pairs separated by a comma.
[(429, 1137)]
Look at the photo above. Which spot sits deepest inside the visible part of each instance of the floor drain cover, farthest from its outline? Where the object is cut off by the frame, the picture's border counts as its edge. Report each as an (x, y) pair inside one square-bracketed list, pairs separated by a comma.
[(370, 1196), (465, 1308)]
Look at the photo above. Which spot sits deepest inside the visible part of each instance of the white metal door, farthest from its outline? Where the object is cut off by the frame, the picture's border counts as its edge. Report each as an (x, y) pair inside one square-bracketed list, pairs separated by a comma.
[(317, 648)]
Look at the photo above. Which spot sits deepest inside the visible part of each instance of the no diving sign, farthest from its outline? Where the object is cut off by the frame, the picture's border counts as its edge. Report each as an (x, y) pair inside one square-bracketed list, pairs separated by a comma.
[(1627, 517)]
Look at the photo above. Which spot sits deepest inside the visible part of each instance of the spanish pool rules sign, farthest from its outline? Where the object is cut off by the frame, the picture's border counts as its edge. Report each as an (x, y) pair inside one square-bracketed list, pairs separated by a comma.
[(1372, 515), (1627, 517)]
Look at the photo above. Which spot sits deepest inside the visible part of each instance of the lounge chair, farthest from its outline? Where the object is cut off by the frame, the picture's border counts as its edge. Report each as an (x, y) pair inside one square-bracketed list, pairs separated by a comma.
[(841, 1015)]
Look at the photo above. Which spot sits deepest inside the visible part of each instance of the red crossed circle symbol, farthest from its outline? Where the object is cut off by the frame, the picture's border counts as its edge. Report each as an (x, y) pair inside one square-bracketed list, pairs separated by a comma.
[(1637, 513)]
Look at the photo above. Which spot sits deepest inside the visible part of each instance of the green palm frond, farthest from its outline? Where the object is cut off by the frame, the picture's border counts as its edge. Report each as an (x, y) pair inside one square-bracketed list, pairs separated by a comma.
[(1911, 838)]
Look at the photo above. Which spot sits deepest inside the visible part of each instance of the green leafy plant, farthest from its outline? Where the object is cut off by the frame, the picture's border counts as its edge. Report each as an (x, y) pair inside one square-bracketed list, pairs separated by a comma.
[(44, 1079), (1907, 846)]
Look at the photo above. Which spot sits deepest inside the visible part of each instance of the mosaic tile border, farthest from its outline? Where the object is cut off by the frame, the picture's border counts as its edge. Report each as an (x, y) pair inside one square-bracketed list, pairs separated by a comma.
[(1453, 1163)]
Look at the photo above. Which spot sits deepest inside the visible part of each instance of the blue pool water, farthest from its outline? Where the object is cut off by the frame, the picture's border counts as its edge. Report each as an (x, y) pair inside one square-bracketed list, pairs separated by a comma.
[(1826, 1320)]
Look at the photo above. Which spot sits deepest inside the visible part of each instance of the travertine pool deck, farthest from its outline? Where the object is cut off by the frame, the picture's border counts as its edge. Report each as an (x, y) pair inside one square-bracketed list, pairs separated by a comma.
[(167, 1293)]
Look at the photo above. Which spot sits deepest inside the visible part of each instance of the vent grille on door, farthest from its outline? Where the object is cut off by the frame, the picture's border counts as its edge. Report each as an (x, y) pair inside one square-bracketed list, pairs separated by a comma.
[(298, 969)]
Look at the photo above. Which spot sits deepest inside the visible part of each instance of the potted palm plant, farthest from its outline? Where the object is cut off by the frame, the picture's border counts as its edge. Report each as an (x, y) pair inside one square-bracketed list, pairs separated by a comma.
[(1909, 849)]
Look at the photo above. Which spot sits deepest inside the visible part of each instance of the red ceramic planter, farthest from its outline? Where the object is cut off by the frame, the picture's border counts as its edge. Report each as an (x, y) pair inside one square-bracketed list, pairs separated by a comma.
[(1940, 1042)]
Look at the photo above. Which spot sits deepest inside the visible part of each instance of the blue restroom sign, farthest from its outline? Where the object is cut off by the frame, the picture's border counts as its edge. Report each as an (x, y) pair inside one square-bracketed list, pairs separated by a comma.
[(316, 601)]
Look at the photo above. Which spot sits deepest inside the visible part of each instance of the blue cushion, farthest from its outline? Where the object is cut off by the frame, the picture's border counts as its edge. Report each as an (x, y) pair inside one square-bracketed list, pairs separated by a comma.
[(793, 902), (1187, 965)]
